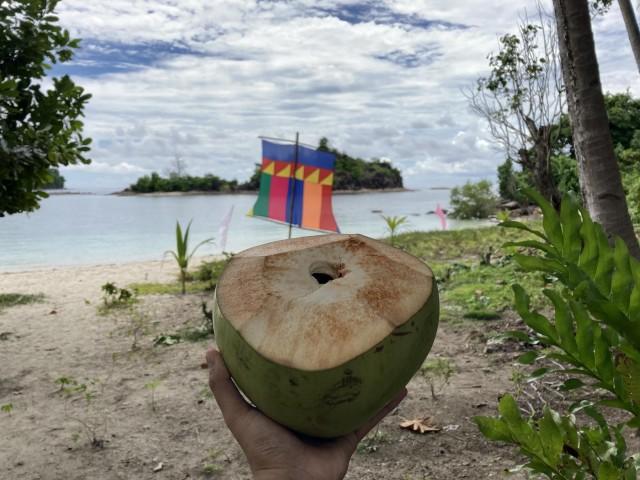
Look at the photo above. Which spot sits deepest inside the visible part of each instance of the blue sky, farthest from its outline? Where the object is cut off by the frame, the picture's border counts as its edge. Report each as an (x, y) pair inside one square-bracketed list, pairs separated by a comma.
[(203, 79)]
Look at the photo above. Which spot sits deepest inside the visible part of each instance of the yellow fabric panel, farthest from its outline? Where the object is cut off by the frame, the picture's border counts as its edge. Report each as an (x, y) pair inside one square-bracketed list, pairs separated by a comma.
[(328, 181), (314, 177)]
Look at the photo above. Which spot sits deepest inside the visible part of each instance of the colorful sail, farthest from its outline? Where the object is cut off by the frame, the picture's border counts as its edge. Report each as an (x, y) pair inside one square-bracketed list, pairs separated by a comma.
[(301, 198)]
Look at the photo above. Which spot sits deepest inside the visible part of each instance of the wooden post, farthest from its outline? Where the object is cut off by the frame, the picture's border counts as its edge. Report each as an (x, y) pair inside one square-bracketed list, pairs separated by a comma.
[(293, 185)]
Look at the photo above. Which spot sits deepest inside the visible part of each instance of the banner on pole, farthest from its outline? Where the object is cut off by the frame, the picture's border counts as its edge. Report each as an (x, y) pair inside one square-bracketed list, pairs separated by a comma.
[(302, 198)]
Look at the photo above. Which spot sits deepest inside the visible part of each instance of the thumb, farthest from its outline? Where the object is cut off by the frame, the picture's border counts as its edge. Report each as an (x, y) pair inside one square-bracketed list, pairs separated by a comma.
[(231, 403)]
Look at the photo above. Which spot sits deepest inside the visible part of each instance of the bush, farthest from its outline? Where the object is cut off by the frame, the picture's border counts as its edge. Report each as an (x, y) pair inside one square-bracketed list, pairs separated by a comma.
[(631, 183), (593, 340), (564, 171), (473, 200), (507, 187)]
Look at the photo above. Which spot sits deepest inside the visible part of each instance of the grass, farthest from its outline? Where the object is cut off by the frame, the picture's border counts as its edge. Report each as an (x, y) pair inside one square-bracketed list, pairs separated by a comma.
[(169, 288), (12, 299), (474, 272), (458, 244), (203, 279)]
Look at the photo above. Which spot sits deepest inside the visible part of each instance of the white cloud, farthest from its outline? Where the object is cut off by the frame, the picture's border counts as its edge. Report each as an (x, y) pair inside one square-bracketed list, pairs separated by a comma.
[(247, 68)]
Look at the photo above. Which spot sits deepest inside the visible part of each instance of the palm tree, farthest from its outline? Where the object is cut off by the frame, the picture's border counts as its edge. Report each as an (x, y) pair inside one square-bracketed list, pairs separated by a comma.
[(181, 253), (633, 31), (393, 224), (598, 171)]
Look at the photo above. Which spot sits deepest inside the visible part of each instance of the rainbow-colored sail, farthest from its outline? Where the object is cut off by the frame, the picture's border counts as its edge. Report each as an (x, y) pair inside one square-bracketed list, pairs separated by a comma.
[(303, 199)]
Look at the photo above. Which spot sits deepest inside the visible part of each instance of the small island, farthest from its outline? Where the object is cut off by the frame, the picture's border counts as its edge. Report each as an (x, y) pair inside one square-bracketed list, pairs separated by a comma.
[(56, 181), (352, 174)]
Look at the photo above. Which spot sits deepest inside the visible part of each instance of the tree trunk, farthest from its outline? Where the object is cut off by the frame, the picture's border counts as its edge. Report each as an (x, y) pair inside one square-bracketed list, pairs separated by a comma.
[(633, 31), (598, 170)]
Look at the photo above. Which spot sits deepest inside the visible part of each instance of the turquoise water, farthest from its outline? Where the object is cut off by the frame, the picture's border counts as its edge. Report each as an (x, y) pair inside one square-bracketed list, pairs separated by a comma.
[(90, 229)]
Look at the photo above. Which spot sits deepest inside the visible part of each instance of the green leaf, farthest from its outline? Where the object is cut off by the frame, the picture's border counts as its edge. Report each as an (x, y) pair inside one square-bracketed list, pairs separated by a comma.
[(550, 219), (571, 223), (584, 334), (493, 428), (605, 265), (564, 322), (589, 256), (533, 264), (548, 249), (522, 226), (608, 472), (534, 320), (603, 357), (630, 373), (622, 280), (528, 358), (572, 384), (540, 372), (552, 438)]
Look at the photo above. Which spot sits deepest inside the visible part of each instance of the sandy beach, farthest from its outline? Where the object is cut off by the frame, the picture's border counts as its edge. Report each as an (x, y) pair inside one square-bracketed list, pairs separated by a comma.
[(151, 409)]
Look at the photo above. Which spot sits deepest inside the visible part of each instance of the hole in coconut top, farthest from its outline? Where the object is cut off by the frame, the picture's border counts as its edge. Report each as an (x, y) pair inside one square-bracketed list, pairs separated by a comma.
[(322, 278), (324, 272)]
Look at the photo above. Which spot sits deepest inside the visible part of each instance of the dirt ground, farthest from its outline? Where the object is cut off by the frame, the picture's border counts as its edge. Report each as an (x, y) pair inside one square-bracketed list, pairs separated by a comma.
[(150, 408)]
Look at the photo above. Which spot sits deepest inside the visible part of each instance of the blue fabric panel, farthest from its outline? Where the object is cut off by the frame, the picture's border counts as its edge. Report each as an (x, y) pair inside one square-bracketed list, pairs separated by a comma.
[(277, 151), (297, 203), (314, 158)]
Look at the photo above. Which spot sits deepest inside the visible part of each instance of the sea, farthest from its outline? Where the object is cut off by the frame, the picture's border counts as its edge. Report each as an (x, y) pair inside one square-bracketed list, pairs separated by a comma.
[(97, 228)]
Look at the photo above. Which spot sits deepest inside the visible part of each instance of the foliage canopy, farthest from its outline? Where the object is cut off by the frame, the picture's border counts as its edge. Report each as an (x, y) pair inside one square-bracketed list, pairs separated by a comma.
[(39, 128)]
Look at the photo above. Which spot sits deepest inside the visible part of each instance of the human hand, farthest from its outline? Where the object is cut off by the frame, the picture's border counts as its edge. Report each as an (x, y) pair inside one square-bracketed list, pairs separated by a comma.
[(274, 452)]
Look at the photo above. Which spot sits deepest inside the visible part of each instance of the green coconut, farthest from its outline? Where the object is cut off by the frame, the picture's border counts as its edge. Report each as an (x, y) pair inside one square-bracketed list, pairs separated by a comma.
[(321, 332)]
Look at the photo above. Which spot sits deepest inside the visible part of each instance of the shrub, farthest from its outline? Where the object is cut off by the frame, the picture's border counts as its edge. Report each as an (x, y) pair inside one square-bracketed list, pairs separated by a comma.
[(631, 182), (593, 338), (473, 200)]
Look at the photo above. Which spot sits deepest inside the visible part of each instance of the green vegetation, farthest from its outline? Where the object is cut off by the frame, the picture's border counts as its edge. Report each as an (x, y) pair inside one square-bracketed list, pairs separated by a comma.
[(152, 288), (203, 279), (93, 423), (473, 200), (373, 441), (12, 299), (181, 253), (351, 173), (393, 224), (39, 129), (593, 339), (624, 123), (183, 183), (152, 386), (438, 373), (114, 298), (189, 334), (56, 182), (473, 270)]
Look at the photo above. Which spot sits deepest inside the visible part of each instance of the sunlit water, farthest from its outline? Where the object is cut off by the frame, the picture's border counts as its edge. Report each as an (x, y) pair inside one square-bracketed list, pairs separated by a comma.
[(91, 229)]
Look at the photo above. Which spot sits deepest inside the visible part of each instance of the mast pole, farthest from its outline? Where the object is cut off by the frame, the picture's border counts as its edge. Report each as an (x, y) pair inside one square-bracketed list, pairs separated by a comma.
[(293, 186)]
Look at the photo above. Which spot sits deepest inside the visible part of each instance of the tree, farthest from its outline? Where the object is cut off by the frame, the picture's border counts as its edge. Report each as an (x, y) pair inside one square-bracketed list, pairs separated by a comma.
[(600, 7), (472, 200), (598, 171), (631, 23), (57, 180), (38, 129), (523, 98)]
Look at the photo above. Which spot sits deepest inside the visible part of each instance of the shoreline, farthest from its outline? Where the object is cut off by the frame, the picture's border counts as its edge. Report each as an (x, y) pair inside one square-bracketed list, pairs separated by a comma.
[(155, 264), (126, 193)]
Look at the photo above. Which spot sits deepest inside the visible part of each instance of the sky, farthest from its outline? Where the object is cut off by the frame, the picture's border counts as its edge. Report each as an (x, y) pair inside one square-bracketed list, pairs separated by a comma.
[(203, 79)]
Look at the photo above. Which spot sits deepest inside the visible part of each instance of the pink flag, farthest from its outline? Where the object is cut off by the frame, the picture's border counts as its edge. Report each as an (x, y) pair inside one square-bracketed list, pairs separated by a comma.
[(224, 228), (442, 216)]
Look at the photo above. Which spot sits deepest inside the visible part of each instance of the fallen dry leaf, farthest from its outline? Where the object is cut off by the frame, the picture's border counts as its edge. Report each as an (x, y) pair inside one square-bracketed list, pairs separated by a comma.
[(420, 425)]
